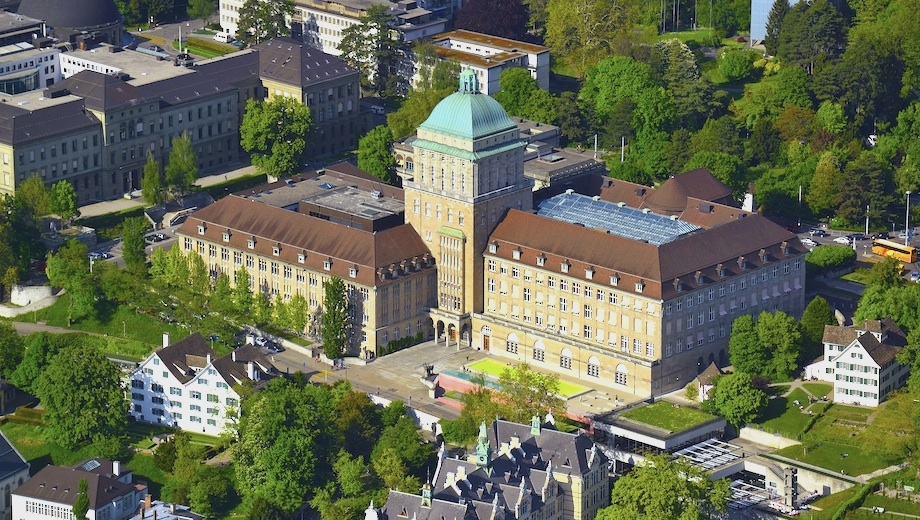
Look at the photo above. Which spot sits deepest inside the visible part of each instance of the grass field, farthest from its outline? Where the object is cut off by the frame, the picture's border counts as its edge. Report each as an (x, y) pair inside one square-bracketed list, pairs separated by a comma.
[(782, 415), (495, 369), (818, 389), (223, 189), (665, 415), (116, 321)]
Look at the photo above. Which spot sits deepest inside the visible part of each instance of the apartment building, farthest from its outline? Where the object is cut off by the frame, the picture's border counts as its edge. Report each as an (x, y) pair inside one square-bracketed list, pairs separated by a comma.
[(292, 236), (187, 385), (861, 361), (516, 471)]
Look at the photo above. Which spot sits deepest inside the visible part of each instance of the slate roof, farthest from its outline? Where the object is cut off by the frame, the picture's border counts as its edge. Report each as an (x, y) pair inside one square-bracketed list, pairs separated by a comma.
[(60, 484), (11, 462), (319, 240), (18, 125), (289, 61), (564, 450), (407, 505), (102, 92), (658, 267), (183, 89), (233, 68), (233, 366), (882, 352), (180, 357), (71, 14)]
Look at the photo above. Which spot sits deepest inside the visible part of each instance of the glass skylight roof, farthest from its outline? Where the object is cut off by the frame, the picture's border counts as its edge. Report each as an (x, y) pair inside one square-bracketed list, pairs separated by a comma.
[(618, 220)]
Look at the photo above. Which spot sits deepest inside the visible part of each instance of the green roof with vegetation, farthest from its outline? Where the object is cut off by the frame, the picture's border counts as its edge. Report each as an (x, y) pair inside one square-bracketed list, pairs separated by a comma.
[(668, 416)]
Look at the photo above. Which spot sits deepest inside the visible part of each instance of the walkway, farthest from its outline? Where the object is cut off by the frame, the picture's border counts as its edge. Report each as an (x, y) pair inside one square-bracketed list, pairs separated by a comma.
[(11, 312)]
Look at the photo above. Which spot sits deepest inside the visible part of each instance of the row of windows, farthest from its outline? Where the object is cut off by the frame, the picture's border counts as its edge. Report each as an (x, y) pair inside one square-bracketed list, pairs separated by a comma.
[(860, 393), (859, 380)]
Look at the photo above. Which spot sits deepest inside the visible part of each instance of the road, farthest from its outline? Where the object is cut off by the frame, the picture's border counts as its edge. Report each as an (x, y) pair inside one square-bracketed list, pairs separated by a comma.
[(163, 34)]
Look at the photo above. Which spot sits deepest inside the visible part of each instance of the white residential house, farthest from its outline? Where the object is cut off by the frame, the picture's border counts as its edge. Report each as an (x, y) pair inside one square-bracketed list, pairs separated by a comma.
[(51, 492), (861, 361), (186, 385)]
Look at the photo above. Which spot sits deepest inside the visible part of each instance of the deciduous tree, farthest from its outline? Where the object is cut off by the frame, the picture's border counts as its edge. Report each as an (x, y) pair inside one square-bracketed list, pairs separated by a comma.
[(527, 393), (81, 503), (83, 397), (242, 292), (373, 48), (11, 350), (276, 132), (335, 317), (735, 398), (585, 31), (357, 423), (403, 438), (41, 347), (818, 313), (663, 487), (261, 21), (182, 166), (201, 9), (34, 194), (64, 200), (745, 351), (152, 182), (133, 245), (69, 269), (779, 334), (375, 155)]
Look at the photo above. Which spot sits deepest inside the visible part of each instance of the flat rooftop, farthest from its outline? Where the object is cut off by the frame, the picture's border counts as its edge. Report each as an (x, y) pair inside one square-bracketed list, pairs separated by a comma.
[(490, 41), (18, 51), (465, 57), (355, 201), (614, 218), (35, 100), (560, 164), (142, 68), (11, 22)]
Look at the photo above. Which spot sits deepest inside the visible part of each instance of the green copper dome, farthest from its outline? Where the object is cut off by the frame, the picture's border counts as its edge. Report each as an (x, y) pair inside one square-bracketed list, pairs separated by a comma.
[(468, 114)]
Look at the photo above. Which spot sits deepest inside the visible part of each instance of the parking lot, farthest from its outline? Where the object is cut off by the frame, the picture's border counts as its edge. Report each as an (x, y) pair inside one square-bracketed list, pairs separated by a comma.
[(862, 243)]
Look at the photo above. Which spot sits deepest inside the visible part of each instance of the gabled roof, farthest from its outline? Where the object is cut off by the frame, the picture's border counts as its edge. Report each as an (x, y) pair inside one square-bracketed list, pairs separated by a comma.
[(60, 484), (671, 196), (103, 92), (18, 125), (291, 62), (563, 450), (883, 351), (234, 367), (180, 357), (409, 506), (11, 461), (708, 376), (317, 239)]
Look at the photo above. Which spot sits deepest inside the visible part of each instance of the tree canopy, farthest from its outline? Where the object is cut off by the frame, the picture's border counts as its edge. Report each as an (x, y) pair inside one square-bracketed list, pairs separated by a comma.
[(335, 317), (375, 155), (260, 21), (735, 398), (182, 166), (276, 132)]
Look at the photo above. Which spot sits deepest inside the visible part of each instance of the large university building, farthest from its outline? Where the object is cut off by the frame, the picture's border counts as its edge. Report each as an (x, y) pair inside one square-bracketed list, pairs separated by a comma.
[(618, 284)]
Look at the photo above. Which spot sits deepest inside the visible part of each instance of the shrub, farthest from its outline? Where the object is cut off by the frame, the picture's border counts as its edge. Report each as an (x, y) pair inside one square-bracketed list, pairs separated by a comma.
[(401, 343), (736, 64), (828, 258), (693, 391), (855, 501)]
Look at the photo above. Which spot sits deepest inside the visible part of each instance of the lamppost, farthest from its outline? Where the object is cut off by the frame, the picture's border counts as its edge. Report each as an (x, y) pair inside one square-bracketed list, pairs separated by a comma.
[(907, 220)]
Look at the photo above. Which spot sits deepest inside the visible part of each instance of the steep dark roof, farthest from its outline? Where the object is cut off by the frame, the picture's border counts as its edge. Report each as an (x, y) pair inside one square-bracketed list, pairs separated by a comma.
[(406, 505), (319, 240), (671, 196), (233, 68), (564, 450), (837, 335), (183, 89), (178, 356), (291, 62), (71, 14), (103, 92), (60, 484), (234, 366), (708, 375), (18, 125), (11, 461)]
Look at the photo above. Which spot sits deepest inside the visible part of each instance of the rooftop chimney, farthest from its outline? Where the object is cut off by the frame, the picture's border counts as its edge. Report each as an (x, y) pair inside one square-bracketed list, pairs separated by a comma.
[(147, 498), (116, 468), (251, 370), (208, 359), (165, 339), (233, 355)]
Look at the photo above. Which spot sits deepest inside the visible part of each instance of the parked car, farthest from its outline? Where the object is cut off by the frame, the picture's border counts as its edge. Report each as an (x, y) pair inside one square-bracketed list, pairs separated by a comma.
[(94, 256), (156, 237), (156, 48), (915, 276), (818, 233), (260, 341), (858, 236), (882, 235), (277, 349), (809, 242), (842, 240)]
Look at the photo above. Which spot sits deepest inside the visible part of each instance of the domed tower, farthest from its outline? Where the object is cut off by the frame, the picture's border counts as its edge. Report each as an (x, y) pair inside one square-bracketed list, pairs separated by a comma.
[(468, 171), (67, 19)]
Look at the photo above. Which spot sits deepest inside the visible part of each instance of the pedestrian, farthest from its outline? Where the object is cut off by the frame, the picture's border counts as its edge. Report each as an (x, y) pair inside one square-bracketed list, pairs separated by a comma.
[(378, 390), (467, 359)]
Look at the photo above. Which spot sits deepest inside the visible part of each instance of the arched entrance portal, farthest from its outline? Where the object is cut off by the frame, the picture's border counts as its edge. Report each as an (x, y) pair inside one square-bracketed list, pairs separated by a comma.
[(465, 335)]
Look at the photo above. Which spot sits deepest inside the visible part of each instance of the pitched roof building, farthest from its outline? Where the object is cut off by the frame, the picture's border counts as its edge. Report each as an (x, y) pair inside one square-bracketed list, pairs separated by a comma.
[(187, 385), (51, 492), (861, 361), (516, 471)]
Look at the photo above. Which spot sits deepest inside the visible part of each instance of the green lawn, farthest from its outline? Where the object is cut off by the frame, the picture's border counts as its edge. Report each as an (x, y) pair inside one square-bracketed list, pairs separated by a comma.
[(495, 369), (146, 471), (860, 276), (783, 416), (829, 504), (116, 321), (218, 191), (892, 504), (818, 389), (664, 415), (829, 455)]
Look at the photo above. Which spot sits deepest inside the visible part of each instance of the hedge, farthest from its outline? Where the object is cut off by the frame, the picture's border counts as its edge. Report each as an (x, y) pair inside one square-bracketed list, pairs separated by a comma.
[(855, 501), (828, 257), (401, 343)]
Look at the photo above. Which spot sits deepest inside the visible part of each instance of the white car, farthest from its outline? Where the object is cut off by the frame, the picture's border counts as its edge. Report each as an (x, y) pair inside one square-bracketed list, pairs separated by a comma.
[(906, 234), (809, 242), (260, 341), (842, 240)]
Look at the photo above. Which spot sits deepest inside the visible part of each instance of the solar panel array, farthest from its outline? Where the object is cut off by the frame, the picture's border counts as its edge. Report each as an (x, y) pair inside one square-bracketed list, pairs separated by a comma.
[(618, 220)]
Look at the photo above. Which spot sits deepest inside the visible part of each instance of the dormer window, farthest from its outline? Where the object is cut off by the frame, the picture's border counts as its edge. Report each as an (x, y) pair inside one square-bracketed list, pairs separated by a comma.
[(353, 272), (763, 256), (640, 286), (541, 260), (276, 250), (251, 243), (589, 273), (614, 280), (564, 266), (200, 229), (301, 257), (225, 236), (699, 277), (720, 270), (742, 263), (327, 264), (493, 247), (785, 247), (516, 254), (677, 285)]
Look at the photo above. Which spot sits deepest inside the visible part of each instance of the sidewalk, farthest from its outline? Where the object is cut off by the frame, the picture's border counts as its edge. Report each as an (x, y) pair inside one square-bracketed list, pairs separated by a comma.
[(111, 206)]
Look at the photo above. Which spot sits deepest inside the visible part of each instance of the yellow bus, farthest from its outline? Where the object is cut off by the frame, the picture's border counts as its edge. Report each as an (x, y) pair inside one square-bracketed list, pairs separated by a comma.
[(906, 254)]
